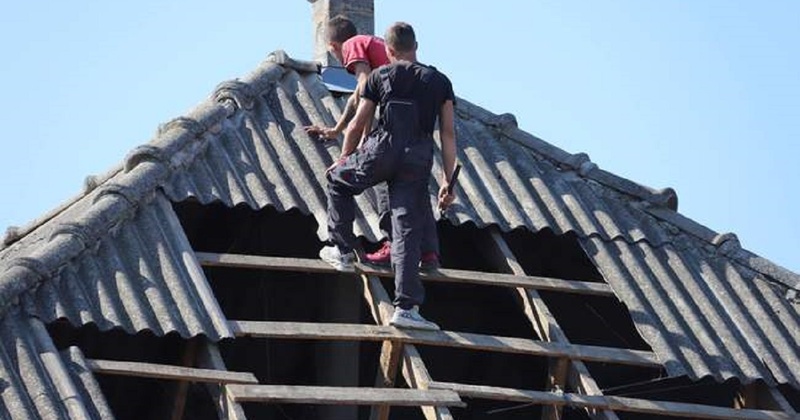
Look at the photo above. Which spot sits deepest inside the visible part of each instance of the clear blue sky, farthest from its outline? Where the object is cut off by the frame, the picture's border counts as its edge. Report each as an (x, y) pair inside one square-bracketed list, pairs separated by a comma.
[(701, 96)]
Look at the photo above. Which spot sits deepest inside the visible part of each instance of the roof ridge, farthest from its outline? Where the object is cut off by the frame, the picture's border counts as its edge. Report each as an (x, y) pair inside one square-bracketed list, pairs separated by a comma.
[(240, 93), (506, 125), (119, 192), (660, 203)]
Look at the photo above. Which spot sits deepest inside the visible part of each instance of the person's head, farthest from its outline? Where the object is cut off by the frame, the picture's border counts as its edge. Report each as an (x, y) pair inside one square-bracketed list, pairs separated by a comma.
[(339, 30), (401, 43)]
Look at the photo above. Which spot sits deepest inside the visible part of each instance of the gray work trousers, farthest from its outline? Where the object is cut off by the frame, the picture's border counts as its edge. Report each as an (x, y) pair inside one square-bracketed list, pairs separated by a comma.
[(404, 162), (430, 240)]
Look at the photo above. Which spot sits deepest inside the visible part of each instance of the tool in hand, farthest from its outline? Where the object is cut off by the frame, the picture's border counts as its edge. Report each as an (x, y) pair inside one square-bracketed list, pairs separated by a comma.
[(450, 186)]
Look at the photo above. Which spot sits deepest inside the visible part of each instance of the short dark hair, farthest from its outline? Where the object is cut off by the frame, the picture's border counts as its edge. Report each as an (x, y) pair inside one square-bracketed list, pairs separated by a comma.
[(400, 37), (340, 29)]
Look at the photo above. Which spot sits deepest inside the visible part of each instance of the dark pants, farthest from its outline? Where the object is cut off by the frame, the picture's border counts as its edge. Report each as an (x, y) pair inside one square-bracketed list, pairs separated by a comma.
[(430, 239), (404, 162)]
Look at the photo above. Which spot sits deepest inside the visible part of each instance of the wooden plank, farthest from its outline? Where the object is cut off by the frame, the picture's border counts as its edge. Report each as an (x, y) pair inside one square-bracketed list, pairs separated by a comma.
[(668, 408), (441, 275), (413, 369), (343, 395), (210, 358), (152, 370), (361, 332), (544, 322)]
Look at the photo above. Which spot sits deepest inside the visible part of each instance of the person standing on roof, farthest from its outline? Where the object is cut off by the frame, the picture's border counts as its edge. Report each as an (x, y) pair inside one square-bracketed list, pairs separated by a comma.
[(360, 54), (411, 97)]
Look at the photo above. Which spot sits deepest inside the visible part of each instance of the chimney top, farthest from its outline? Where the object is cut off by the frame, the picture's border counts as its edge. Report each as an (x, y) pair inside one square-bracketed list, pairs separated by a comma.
[(360, 12)]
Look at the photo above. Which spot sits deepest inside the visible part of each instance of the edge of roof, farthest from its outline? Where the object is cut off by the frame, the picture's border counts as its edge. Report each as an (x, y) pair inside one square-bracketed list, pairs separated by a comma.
[(176, 144)]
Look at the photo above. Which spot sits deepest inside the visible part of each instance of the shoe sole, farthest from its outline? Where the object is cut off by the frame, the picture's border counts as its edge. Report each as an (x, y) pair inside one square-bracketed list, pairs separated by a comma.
[(415, 327)]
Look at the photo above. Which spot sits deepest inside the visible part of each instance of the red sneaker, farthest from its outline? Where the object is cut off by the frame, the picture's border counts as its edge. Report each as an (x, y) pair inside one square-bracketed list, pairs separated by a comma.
[(429, 261), (382, 257)]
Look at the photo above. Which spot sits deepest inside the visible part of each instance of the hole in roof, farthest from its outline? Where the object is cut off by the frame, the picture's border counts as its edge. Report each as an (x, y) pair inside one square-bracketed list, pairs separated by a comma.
[(676, 389), (493, 310), (792, 395), (585, 319), (304, 362), (549, 255), (131, 397), (241, 230)]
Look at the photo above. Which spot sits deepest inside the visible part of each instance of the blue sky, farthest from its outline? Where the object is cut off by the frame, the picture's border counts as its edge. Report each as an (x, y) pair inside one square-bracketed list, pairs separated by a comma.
[(701, 96)]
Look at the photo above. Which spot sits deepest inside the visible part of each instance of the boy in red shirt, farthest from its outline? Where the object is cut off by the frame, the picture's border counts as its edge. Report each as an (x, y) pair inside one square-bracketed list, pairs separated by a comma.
[(360, 54)]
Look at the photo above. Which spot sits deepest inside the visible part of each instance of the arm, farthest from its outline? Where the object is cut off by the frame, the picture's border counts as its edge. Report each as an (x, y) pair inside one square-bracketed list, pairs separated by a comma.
[(447, 134), (364, 113), (362, 70)]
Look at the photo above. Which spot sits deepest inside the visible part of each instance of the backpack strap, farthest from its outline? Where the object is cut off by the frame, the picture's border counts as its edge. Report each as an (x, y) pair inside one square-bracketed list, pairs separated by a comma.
[(387, 86)]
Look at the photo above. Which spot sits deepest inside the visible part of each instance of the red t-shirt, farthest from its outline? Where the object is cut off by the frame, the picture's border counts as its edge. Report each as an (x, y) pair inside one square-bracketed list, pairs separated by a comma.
[(364, 48)]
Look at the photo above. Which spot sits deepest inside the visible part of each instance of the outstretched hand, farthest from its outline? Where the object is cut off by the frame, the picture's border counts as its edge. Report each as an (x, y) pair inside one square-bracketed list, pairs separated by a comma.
[(324, 133)]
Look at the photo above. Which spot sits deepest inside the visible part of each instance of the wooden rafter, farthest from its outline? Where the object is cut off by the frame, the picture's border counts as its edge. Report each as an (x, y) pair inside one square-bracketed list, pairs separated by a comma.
[(182, 387), (414, 370), (548, 328), (209, 357)]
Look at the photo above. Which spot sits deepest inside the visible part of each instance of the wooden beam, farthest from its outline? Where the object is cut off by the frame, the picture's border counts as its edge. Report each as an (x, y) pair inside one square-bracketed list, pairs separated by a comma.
[(182, 387), (387, 371), (544, 322), (343, 395), (667, 408), (210, 358), (441, 275), (414, 371), (361, 332), (152, 370)]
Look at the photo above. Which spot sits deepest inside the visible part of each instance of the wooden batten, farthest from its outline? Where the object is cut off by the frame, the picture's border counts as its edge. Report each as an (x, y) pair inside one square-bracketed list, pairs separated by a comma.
[(343, 395)]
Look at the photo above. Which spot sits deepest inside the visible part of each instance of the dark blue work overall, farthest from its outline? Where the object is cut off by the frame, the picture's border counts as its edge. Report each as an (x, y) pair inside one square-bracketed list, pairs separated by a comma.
[(400, 154)]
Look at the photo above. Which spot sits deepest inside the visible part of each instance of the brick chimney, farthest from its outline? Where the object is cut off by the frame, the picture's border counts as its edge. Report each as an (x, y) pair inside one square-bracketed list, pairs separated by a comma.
[(360, 12)]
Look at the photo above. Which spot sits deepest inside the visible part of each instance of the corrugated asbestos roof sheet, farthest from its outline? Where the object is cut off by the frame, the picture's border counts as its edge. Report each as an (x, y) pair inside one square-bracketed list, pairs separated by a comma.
[(36, 382), (246, 145), (704, 315), (115, 264)]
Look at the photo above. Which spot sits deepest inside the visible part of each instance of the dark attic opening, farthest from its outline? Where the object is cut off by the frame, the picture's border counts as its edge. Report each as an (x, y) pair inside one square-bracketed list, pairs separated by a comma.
[(130, 395), (247, 294), (290, 296)]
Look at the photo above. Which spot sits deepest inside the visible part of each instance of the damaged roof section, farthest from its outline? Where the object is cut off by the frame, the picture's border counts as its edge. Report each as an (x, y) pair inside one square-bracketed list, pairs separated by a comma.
[(246, 146), (114, 260)]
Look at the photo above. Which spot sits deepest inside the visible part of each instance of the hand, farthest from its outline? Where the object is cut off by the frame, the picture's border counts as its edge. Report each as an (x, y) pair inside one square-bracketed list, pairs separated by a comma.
[(445, 198), (324, 133)]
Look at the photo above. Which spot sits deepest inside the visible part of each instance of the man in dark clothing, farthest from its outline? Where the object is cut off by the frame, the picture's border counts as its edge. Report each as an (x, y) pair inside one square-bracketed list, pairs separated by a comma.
[(360, 54), (411, 97)]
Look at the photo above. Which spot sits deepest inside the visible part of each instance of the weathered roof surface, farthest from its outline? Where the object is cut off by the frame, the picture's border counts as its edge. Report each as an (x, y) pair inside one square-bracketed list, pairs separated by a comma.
[(246, 145), (704, 315), (37, 382), (117, 262)]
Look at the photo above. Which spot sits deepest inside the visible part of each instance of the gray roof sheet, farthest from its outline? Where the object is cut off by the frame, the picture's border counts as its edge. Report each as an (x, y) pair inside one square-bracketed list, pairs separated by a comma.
[(40, 383), (246, 145), (704, 315), (116, 264)]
